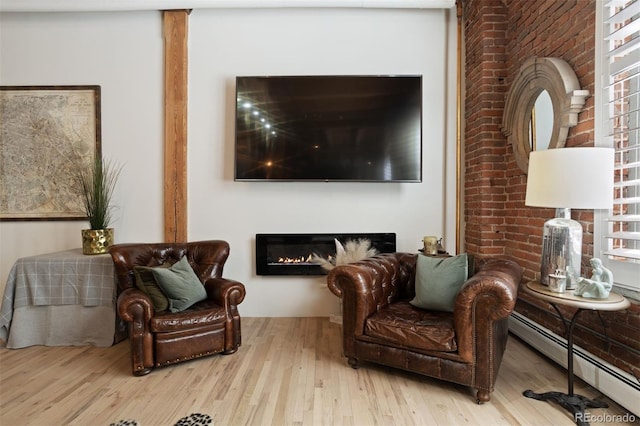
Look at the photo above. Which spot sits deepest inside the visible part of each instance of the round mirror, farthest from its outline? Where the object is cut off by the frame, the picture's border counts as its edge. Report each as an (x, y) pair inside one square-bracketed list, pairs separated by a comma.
[(541, 124), (542, 104)]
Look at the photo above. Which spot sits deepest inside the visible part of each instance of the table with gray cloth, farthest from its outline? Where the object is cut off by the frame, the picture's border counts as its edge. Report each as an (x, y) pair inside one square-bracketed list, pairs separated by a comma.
[(59, 299)]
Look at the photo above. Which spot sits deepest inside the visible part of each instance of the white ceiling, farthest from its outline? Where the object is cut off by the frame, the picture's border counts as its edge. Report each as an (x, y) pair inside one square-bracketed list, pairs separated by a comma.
[(131, 5)]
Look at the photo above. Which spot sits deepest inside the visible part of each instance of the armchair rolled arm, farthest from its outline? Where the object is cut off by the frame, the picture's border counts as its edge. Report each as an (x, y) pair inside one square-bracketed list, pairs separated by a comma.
[(364, 280), (488, 296), (229, 294), (350, 277), (135, 305), (225, 292), (136, 308), (498, 278)]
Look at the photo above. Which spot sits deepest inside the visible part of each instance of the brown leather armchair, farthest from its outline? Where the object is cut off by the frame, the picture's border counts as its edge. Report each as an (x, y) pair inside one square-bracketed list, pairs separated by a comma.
[(208, 327), (381, 326)]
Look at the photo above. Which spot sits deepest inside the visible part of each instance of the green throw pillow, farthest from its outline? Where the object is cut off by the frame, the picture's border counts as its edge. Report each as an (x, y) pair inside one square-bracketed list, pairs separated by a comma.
[(146, 282), (180, 284), (438, 280)]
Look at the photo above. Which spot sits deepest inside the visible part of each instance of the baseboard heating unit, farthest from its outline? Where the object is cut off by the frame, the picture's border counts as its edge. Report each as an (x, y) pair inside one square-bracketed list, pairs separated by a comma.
[(616, 384)]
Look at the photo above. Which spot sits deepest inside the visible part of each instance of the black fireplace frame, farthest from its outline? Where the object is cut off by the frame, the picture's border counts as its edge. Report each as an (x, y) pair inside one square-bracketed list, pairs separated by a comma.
[(382, 242)]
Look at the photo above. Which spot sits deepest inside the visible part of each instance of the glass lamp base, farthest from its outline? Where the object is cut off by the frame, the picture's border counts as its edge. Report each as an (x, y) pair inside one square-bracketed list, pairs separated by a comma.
[(561, 248)]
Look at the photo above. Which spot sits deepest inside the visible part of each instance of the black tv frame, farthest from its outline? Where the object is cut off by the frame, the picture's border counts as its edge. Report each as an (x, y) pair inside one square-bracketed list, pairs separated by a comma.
[(243, 152)]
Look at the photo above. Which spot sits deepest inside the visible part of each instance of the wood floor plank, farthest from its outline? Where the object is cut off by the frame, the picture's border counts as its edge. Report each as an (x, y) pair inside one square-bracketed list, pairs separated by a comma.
[(288, 371)]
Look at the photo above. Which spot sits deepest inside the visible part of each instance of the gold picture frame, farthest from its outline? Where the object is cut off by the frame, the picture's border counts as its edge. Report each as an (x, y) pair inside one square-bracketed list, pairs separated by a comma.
[(46, 134)]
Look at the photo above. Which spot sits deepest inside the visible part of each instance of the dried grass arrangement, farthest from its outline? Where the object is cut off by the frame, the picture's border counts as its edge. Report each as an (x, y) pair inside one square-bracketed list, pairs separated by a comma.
[(352, 251), (97, 182)]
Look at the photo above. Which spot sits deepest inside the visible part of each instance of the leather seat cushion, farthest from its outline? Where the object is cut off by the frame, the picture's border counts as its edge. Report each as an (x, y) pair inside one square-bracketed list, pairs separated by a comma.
[(403, 324), (203, 314)]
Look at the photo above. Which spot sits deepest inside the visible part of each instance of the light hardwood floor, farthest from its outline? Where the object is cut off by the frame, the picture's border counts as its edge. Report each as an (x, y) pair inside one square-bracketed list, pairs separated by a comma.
[(289, 371)]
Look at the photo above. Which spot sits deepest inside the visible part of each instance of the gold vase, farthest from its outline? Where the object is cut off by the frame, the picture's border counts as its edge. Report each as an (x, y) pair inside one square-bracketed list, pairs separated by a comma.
[(96, 241)]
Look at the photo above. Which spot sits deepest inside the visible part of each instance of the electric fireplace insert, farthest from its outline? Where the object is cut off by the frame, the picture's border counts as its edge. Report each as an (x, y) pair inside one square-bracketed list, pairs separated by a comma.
[(291, 254)]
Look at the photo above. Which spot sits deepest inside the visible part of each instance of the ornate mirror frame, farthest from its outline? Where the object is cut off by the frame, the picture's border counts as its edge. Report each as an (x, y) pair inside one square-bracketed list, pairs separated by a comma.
[(537, 74)]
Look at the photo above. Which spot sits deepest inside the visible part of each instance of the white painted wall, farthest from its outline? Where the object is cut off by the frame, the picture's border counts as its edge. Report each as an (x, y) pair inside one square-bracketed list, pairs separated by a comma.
[(122, 52)]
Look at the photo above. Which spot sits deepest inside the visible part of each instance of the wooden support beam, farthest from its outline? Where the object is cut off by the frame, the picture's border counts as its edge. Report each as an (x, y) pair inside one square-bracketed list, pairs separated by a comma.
[(175, 124)]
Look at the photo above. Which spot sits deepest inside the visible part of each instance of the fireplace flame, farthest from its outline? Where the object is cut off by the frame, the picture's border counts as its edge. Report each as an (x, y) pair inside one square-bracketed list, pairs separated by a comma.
[(295, 260)]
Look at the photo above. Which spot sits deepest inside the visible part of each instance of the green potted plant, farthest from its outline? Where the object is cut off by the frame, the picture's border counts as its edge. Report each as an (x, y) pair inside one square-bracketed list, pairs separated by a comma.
[(97, 183)]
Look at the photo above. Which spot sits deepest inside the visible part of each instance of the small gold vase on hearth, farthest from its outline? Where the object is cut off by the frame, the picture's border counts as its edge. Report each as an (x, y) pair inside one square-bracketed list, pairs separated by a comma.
[(96, 241)]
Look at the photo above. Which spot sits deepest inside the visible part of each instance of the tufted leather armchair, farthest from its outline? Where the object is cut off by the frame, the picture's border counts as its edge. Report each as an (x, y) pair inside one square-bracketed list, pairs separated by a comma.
[(380, 326), (161, 338)]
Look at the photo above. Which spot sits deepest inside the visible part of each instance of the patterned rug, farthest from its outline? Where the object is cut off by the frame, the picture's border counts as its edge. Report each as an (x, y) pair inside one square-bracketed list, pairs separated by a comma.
[(196, 419)]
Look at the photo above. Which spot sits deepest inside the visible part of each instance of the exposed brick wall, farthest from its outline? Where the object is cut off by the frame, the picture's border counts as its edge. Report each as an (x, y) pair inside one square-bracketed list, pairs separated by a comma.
[(485, 151), (499, 36)]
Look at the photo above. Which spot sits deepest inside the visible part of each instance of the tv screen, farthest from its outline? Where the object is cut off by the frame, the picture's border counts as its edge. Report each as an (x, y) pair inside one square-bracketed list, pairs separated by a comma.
[(329, 128)]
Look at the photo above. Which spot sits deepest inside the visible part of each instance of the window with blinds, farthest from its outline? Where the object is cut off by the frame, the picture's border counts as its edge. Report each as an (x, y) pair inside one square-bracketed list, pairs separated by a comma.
[(621, 68)]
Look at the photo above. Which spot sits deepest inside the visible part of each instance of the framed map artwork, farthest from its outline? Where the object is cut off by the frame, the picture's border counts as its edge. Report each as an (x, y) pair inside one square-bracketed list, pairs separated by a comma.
[(47, 133)]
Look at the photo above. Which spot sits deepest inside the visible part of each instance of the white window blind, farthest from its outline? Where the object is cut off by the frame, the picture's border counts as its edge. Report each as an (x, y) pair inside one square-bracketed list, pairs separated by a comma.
[(622, 115)]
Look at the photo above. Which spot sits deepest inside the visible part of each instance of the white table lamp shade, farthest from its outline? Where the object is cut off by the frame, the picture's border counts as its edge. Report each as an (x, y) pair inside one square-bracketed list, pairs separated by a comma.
[(576, 178)]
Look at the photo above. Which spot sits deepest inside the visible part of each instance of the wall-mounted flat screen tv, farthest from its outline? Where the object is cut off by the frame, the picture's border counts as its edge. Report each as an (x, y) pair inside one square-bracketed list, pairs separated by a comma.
[(329, 128)]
